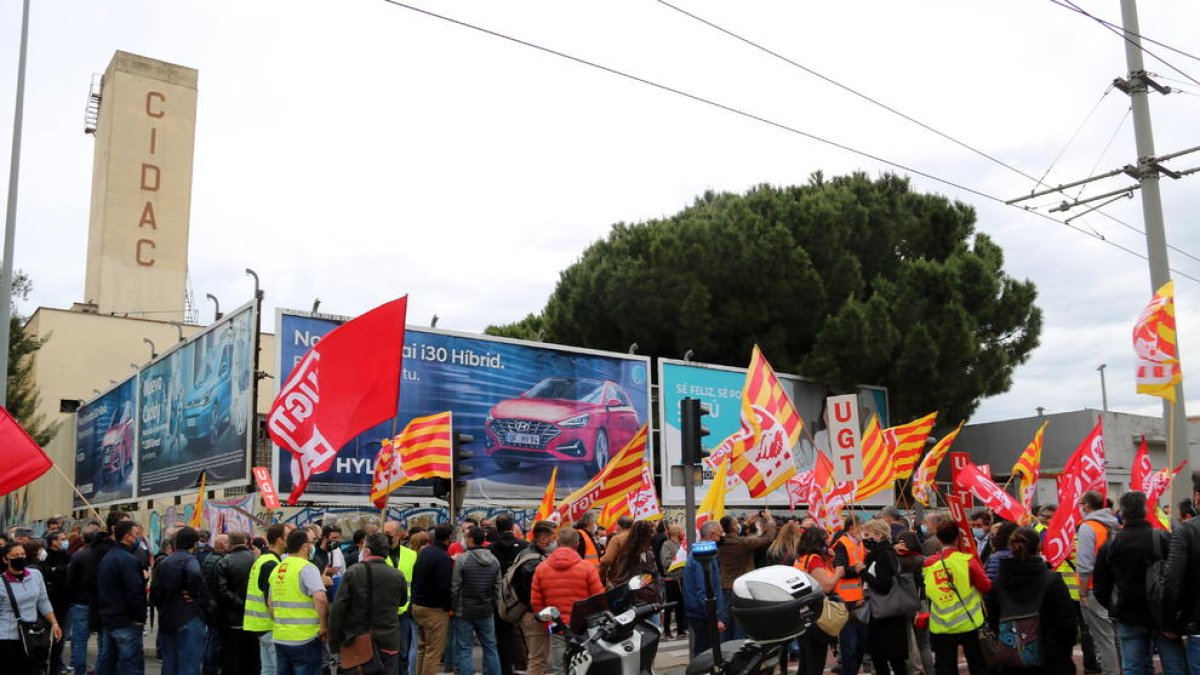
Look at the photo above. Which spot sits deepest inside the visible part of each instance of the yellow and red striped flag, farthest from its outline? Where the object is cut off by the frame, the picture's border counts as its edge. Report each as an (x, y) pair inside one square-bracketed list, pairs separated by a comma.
[(712, 507), (1029, 467), (611, 512), (422, 450), (762, 449), (197, 519), (927, 471), (619, 478), (879, 472), (1154, 342), (906, 441), (546, 508)]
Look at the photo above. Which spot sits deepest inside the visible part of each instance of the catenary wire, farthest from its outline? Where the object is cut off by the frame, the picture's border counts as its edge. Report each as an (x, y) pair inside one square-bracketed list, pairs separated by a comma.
[(1121, 33), (1112, 25), (758, 118), (1038, 181), (1100, 157)]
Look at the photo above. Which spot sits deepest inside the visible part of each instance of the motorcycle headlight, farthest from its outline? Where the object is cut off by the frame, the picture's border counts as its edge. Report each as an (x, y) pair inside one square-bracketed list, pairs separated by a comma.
[(574, 422)]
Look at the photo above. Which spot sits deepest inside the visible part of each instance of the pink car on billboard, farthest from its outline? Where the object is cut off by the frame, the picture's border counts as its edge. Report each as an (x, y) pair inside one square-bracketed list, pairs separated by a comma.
[(561, 419)]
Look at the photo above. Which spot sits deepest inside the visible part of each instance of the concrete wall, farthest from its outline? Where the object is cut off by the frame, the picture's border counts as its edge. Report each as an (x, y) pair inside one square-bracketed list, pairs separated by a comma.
[(141, 189)]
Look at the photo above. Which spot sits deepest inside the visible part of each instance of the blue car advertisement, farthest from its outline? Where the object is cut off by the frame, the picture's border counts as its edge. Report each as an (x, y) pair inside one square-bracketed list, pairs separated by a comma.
[(721, 388), (530, 408), (104, 445), (196, 407)]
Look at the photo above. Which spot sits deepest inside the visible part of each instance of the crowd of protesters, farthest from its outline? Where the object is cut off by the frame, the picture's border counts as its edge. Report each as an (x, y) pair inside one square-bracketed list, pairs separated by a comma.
[(289, 601)]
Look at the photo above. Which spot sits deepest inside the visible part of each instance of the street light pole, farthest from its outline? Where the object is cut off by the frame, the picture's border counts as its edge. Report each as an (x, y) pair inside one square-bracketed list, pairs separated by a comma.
[(1103, 388), (10, 220)]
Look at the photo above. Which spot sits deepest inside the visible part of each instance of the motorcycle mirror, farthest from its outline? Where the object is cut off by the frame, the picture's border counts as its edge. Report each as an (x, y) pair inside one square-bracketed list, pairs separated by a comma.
[(549, 614)]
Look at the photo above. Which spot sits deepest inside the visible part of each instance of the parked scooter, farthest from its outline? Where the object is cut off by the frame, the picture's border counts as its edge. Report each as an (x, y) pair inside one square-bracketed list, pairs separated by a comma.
[(610, 633)]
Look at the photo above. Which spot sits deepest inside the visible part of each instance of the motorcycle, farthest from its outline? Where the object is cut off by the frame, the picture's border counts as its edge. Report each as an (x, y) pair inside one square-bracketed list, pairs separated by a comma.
[(610, 633), (773, 605)]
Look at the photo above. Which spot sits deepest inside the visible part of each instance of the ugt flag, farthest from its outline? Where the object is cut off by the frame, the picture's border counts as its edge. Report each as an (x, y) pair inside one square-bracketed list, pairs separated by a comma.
[(346, 384)]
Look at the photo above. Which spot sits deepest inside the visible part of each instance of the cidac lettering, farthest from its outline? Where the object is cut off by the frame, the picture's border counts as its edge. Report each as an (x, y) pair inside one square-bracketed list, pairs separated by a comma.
[(149, 181)]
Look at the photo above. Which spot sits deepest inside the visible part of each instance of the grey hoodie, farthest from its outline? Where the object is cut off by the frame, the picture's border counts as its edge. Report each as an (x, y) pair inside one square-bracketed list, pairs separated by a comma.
[(1085, 561)]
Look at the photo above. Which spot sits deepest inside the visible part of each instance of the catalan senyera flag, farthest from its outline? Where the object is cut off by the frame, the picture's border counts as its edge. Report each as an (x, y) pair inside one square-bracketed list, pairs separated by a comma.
[(926, 472), (712, 507), (384, 466), (546, 508), (422, 450), (611, 512), (619, 478), (762, 452), (1154, 342), (879, 472), (197, 518), (906, 441), (1029, 466), (827, 497)]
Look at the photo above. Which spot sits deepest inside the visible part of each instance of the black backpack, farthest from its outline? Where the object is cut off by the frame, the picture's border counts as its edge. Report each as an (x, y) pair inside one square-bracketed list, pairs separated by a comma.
[(1020, 628), (1156, 584)]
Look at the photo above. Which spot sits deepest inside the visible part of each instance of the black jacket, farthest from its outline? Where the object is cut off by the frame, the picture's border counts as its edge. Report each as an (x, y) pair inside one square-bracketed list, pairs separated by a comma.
[(208, 572), (54, 571), (475, 584), (101, 545), (1121, 566), (178, 591), (349, 618), (506, 548), (77, 591), (1018, 586), (121, 599), (231, 577), (431, 577), (522, 579), (1183, 577)]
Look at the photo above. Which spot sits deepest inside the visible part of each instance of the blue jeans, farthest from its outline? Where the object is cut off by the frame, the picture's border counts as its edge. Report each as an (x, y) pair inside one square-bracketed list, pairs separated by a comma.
[(212, 652), (183, 648), (404, 661), (121, 651), (78, 616), (266, 654), (305, 659), (852, 644), (1136, 656), (1193, 653), (732, 630), (485, 629)]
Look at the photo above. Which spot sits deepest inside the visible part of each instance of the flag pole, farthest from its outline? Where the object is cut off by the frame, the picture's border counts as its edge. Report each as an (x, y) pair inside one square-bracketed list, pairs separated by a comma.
[(391, 439), (74, 487)]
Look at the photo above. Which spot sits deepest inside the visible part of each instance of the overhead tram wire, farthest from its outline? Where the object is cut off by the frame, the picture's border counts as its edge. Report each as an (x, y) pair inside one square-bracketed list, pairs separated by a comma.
[(1100, 157), (1109, 24), (1120, 32), (1054, 162), (1037, 181), (778, 125)]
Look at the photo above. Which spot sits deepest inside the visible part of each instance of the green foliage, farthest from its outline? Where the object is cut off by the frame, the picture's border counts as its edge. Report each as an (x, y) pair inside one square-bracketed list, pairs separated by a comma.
[(847, 281), (529, 328), (22, 392)]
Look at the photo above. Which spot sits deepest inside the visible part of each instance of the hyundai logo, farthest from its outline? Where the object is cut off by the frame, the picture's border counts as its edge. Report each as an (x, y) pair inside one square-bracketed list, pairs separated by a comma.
[(522, 426)]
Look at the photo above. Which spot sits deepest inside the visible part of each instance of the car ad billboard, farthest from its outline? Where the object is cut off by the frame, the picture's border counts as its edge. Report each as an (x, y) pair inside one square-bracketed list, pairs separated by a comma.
[(721, 388), (530, 407), (196, 404), (105, 436)]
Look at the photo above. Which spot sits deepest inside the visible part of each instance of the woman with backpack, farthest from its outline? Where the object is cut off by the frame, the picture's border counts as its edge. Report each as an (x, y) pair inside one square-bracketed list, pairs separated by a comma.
[(887, 638), (1031, 611)]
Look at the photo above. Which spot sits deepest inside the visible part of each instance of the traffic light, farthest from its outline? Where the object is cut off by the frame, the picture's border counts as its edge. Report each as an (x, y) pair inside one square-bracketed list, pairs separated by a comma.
[(441, 488), (458, 462), (691, 412)]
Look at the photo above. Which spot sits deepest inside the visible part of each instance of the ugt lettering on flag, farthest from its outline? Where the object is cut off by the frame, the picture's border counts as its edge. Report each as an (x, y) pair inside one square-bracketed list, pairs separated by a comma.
[(347, 383)]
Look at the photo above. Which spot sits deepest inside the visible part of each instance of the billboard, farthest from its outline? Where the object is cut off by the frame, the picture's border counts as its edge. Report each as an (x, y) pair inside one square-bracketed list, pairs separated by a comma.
[(105, 437), (721, 388), (195, 409), (530, 407)]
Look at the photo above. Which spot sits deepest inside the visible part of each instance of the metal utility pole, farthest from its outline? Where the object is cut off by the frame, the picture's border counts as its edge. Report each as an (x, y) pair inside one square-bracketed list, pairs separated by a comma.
[(10, 220), (1174, 415), (1103, 388)]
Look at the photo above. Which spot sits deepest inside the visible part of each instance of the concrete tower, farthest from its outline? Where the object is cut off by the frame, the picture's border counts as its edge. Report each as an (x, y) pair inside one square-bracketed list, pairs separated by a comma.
[(145, 130)]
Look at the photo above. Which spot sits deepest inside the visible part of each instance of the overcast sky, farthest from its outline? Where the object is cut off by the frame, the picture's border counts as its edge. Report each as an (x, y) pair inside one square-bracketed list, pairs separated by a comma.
[(356, 151)]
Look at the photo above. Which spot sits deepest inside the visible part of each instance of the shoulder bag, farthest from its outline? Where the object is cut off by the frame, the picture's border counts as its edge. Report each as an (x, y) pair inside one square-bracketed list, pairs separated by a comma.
[(35, 635), (360, 656), (900, 600), (988, 642)]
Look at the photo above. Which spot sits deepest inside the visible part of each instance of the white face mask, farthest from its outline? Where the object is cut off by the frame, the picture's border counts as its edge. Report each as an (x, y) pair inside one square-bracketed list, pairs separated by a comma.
[(41, 555)]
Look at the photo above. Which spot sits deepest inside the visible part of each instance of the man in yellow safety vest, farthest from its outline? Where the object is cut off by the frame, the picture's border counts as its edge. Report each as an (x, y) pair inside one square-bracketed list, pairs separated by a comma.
[(299, 610), (955, 583), (402, 558), (257, 617)]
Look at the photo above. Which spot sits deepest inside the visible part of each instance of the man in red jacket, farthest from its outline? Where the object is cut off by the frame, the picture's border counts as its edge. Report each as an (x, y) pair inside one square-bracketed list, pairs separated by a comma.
[(560, 581)]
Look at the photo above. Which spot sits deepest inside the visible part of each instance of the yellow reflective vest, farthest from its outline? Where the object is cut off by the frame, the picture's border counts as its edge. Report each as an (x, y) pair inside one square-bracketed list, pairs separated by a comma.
[(954, 604), (257, 618), (1065, 569), (404, 561), (296, 620)]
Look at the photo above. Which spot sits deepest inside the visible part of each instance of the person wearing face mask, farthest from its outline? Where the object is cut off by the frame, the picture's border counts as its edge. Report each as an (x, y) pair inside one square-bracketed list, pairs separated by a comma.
[(53, 561), (981, 525), (299, 609), (887, 638), (929, 541), (848, 555), (537, 640), (1098, 524), (122, 604), (735, 553), (404, 559), (24, 586)]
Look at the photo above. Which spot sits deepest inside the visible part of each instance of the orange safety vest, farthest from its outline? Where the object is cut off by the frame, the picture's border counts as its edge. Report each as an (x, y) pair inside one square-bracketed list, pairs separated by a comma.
[(590, 553), (850, 590), (1101, 537)]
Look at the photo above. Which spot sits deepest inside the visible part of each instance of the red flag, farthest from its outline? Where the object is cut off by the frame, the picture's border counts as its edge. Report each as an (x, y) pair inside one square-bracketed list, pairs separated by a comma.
[(346, 384), (1085, 471), (266, 488), (1142, 468), (958, 505), (970, 480), (24, 459)]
